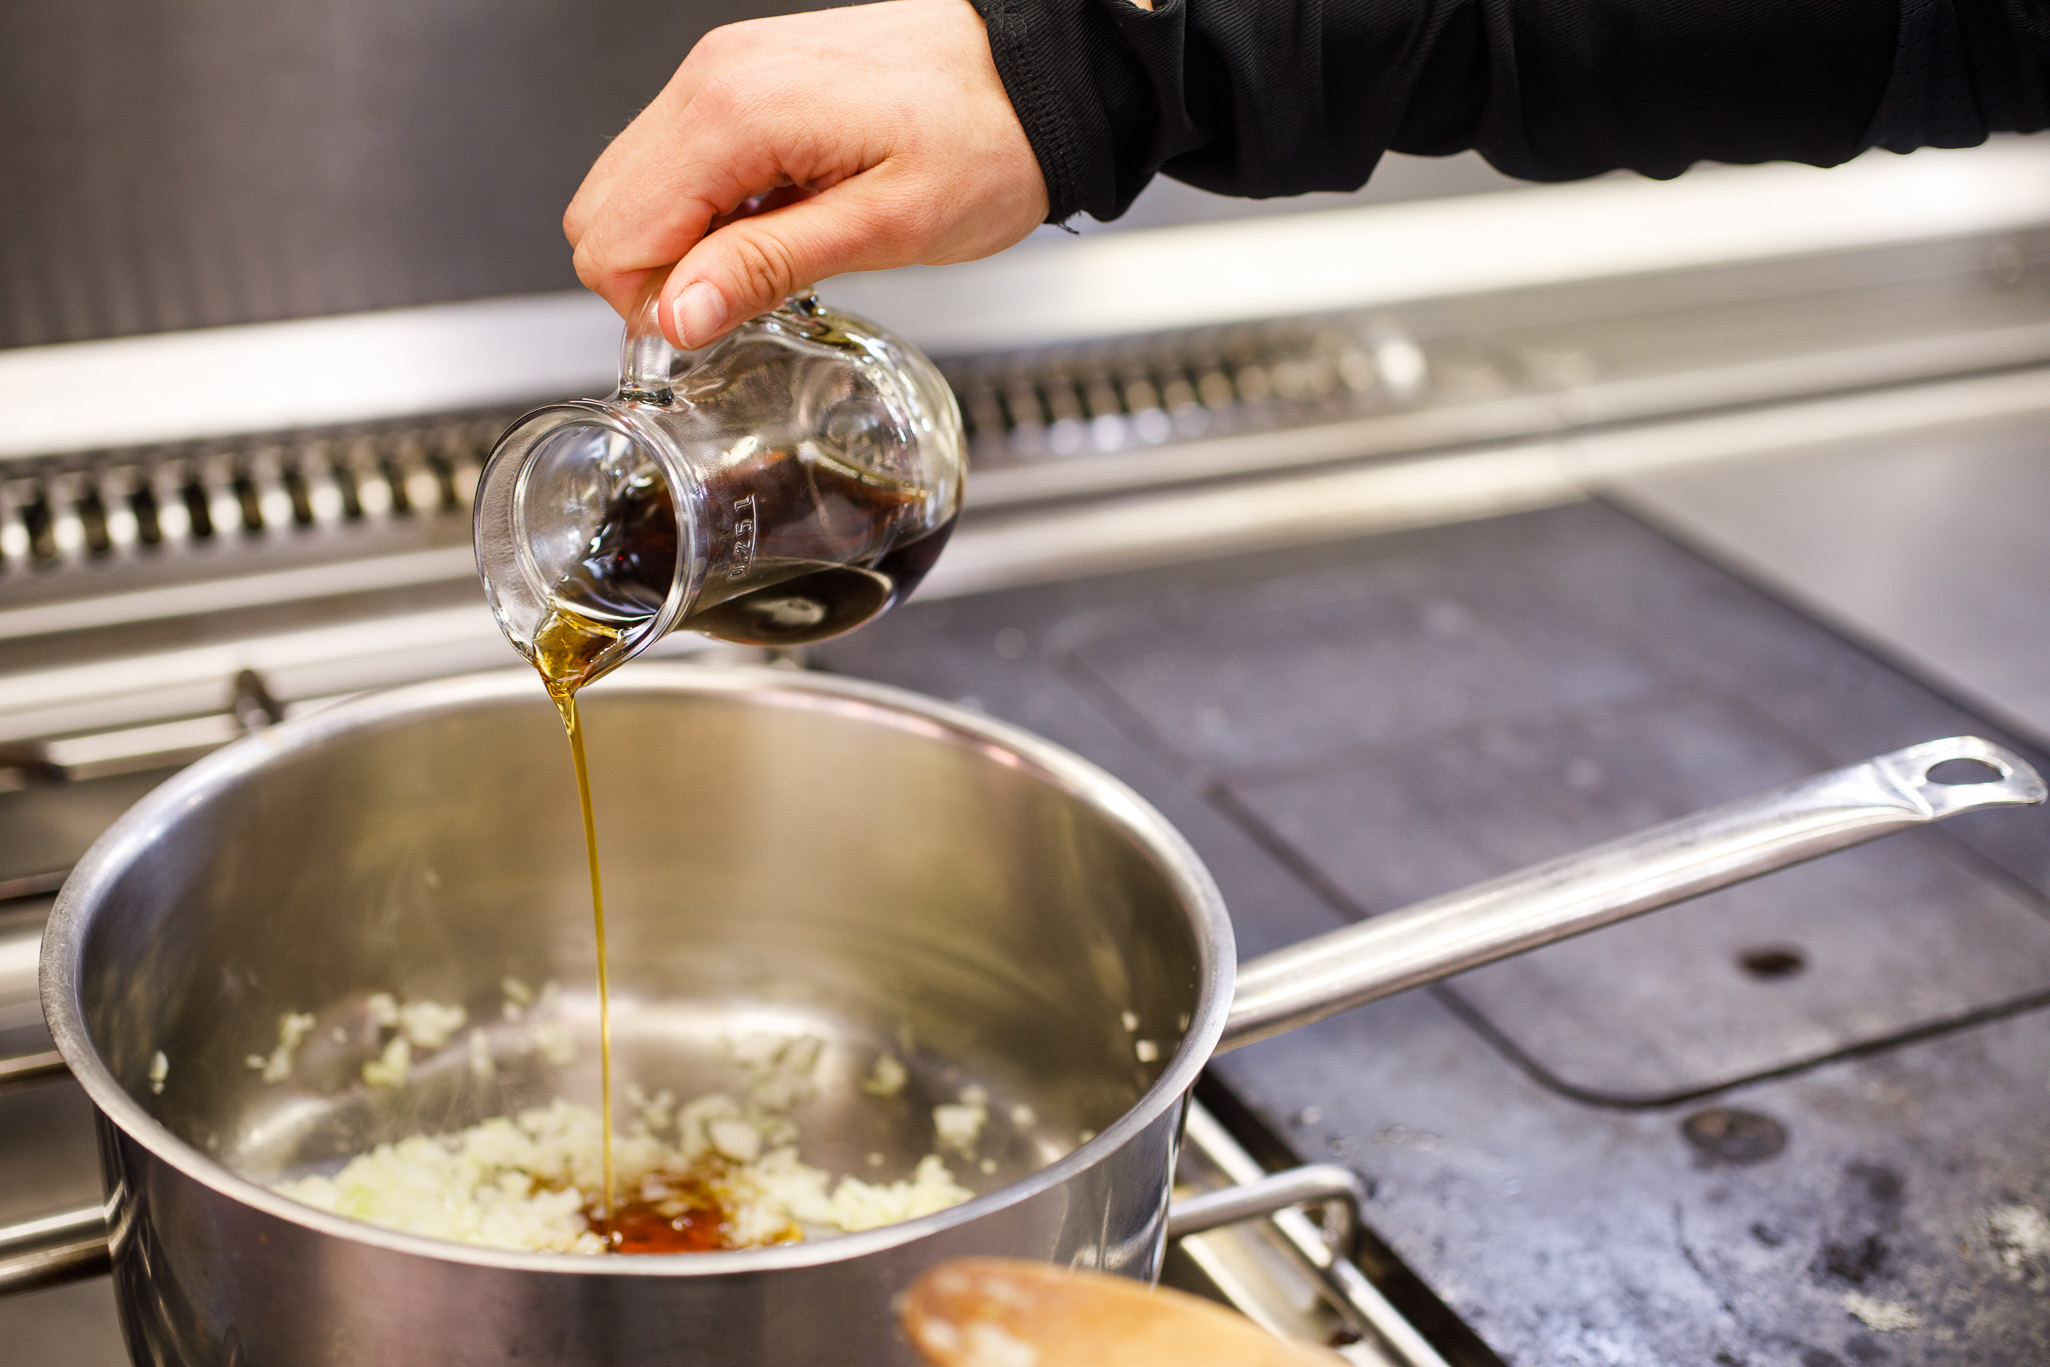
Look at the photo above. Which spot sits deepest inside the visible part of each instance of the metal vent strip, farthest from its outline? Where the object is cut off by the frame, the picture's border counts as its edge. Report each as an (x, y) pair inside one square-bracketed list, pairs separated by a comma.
[(151, 504), (63, 717), (1166, 390), (1182, 386)]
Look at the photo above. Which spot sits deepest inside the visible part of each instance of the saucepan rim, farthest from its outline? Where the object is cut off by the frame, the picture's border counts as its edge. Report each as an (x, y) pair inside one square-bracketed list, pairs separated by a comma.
[(158, 813)]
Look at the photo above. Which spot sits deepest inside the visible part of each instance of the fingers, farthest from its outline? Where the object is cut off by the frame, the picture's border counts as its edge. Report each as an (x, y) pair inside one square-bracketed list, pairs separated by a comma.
[(787, 150), (618, 160), (721, 49), (752, 264), (732, 144), (651, 217)]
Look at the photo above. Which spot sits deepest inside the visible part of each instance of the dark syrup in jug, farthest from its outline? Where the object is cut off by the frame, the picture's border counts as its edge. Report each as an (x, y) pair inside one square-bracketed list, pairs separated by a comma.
[(809, 602), (799, 548)]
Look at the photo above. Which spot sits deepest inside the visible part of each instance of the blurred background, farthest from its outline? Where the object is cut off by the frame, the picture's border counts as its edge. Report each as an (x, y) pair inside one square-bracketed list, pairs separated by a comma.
[(1386, 541), (244, 162), (241, 162)]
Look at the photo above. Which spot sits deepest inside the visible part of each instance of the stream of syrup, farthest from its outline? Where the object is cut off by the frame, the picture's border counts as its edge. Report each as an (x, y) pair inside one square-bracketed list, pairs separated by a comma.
[(798, 568), (566, 648)]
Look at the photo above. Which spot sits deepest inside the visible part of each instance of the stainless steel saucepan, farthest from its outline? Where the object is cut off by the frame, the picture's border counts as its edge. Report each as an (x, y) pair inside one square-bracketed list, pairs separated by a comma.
[(786, 856)]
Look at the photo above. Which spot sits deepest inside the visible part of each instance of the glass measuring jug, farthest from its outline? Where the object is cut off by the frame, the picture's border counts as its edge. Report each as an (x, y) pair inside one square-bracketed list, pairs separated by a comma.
[(784, 486)]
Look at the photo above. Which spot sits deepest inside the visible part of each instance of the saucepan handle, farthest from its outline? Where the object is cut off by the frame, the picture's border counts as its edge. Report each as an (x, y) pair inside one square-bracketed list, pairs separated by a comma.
[(1339, 1190), (69, 1247), (18, 953), (31, 1067), (1666, 864)]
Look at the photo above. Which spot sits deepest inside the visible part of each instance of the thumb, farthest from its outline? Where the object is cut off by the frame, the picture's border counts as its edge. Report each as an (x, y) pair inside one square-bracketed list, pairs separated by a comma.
[(752, 264)]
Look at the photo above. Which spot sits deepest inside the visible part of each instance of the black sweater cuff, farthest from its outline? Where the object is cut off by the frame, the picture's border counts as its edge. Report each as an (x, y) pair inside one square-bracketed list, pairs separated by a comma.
[(1098, 86), (1277, 97)]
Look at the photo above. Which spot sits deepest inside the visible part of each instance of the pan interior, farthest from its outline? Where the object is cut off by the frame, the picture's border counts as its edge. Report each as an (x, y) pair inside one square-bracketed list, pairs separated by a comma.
[(781, 866)]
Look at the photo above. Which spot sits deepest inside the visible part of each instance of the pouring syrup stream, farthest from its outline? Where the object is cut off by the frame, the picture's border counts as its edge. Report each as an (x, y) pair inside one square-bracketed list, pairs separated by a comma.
[(566, 648)]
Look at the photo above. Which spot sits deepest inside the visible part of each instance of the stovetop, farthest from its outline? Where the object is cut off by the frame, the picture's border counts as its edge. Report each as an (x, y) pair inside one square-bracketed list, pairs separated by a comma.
[(1798, 1121)]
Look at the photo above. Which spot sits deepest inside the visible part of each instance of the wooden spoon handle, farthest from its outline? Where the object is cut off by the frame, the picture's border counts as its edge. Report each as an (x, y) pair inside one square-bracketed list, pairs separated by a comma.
[(993, 1312)]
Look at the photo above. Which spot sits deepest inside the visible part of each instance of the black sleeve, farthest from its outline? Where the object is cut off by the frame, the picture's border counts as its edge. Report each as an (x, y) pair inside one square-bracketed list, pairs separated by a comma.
[(1276, 97)]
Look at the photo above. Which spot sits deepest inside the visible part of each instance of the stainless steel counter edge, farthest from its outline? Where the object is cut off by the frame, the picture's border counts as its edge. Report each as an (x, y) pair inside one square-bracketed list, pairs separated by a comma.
[(1500, 421), (140, 693), (1048, 544), (399, 362)]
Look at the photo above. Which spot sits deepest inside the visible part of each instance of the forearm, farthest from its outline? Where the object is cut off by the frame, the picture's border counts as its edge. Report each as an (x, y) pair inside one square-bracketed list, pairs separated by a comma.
[(1270, 97)]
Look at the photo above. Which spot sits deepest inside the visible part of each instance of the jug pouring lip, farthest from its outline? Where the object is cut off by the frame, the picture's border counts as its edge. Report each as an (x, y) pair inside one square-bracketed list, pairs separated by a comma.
[(517, 591)]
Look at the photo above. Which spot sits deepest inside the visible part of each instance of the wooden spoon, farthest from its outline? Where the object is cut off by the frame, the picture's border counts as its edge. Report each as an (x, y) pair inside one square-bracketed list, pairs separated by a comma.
[(993, 1312)]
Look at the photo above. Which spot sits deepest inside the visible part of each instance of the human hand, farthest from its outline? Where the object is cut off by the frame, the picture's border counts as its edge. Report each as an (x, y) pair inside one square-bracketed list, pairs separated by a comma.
[(786, 150)]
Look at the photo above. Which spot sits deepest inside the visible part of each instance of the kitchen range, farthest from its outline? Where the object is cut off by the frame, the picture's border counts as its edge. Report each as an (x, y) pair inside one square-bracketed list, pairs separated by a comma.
[(1422, 543)]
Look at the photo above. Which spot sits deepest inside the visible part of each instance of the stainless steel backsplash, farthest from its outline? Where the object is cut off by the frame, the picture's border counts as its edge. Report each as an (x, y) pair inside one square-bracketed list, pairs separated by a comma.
[(233, 161)]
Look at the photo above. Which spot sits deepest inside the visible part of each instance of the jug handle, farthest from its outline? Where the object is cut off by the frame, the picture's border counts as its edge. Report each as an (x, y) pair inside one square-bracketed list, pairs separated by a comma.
[(647, 362)]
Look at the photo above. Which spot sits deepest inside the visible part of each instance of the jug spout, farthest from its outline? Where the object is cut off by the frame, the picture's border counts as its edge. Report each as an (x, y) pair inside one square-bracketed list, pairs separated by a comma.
[(579, 517)]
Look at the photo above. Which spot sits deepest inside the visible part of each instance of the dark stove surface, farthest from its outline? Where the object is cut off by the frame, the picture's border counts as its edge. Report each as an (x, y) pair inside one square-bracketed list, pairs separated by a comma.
[(1802, 1121)]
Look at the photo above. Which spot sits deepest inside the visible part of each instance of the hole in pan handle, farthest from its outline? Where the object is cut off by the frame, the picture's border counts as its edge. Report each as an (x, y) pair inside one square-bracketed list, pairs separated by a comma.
[(1952, 772), (1654, 868)]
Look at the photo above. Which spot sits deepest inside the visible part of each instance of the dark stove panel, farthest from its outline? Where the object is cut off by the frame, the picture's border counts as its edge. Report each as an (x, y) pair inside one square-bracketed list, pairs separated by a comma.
[(1280, 674), (1901, 1220), (1400, 734), (1343, 730), (1882, 944)]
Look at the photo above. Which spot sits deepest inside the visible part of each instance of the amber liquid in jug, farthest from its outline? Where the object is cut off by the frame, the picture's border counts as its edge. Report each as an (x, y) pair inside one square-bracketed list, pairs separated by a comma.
[(786, 569)]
